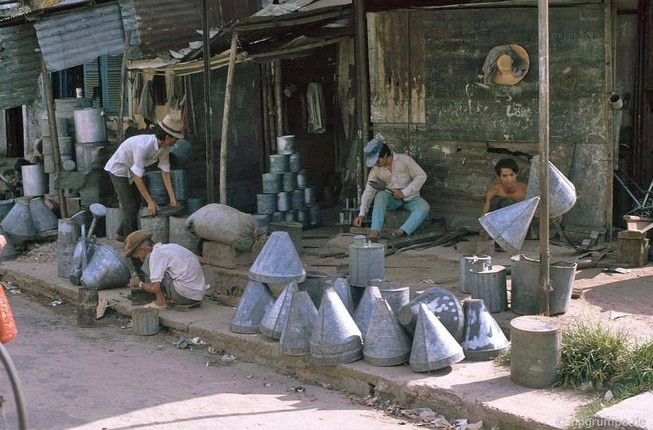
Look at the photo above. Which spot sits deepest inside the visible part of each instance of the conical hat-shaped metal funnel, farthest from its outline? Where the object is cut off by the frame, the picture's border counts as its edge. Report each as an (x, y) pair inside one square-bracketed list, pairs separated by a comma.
[(508, 226), (442, 303), (482, 338), (341, 285), (275, 319), (299, 327), (254, 304), (386, 343), (44, 219), (8, 252), (433, 347), (335, 339), (365, 307), (18, 223), (278, 262), (562, 193), (105, 270)]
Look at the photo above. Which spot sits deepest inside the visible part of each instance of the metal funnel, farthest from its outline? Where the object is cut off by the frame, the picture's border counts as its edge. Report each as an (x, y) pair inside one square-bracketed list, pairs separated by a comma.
[(508, 226), (386, 343), (341, 285), (433, 347), (299, 326), (442, 303), (482, 338), (335, 339), (275, 319), (278, 261), (562, 193), (253, 305), (365, 307), (8, 252), (18, 223), (44, 219), (105, 270)]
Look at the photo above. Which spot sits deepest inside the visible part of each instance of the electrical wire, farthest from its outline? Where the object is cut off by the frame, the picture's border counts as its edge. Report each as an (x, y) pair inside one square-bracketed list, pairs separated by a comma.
[(15, 386)]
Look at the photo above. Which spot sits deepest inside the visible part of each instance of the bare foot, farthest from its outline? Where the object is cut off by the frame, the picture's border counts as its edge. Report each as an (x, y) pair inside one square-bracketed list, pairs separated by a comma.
[(373, 233)]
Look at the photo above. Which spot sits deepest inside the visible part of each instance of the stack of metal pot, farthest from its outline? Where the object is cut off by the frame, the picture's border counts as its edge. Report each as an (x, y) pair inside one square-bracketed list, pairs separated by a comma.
[(287, 195)]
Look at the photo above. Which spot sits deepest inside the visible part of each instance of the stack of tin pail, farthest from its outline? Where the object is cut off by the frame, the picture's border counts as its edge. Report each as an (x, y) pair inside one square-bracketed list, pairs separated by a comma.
[(366, 263), (287, 195)]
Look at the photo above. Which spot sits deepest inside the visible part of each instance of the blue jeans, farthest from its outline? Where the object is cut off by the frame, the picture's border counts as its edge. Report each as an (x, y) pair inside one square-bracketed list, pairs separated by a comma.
[(383, 201)]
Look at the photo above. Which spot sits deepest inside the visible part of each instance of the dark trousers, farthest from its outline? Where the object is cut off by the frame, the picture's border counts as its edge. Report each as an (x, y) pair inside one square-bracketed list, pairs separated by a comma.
[(498, 202), (130, 202)]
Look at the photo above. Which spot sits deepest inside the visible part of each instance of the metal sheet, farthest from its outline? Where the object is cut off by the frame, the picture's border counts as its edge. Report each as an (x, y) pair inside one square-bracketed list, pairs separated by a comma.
[(20, 65), (80, 36)]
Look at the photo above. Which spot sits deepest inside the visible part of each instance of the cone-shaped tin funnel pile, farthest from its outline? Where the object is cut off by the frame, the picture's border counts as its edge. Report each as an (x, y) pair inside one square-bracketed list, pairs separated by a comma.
[(295, 339), (482, 338), (275, 319), (433, 347), (442, 303), (364, 310), (508, 226), (341, 285), (386, 343), (562, 193), (278, 262), (254, 304)]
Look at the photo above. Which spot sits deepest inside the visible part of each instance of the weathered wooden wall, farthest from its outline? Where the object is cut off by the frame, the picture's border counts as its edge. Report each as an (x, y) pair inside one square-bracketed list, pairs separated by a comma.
[(429, 100)]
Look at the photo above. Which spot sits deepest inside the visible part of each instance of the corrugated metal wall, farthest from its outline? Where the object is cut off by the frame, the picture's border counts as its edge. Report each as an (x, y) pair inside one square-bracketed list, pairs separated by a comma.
[(72, 39), (20, 65)]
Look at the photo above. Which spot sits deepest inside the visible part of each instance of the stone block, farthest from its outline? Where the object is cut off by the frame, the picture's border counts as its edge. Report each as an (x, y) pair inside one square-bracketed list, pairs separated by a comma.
[(221, 255)]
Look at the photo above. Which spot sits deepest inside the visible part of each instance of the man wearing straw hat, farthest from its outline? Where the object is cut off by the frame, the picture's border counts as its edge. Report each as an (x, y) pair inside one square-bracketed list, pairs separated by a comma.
[(127, 166), (403, 179), (175, 274)]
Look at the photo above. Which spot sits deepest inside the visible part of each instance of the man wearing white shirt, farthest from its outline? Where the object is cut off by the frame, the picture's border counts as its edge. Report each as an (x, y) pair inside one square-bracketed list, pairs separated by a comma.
[(127, 166), (399, 173)]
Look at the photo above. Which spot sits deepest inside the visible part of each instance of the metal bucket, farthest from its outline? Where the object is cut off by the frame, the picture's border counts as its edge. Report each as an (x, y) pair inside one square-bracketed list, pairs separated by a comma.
[(106, 269), (297, 199), (156, 187), (278, 163), (66, 146), (181, 153), (44, 219), (508, 226), (87, 156), (278, 217), (18, 223), (179, 234), (82, 254), (314, 285), (145, 321), (468, 264), (271, 183), (489, 285), (302, 216), (286, 144), (65, 108), (283, 201), (290, 215), (314, 215), (179, 179), (562, 193), (302, 180), (289, 181), (44, 125), (366, 262), (295, 162), (309, 196), (263, 222), (266, 204), (35, 183), (159, 226), (396, 295), (90, 125), (195, 203), (525, 275), (535, 351)]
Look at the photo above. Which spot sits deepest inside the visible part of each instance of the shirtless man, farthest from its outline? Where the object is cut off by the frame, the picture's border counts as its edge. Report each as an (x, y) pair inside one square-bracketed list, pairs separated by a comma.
[(507, 192)]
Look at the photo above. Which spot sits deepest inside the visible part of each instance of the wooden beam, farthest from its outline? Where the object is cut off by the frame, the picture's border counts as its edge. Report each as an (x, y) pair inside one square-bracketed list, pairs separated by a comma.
[(224, 140)]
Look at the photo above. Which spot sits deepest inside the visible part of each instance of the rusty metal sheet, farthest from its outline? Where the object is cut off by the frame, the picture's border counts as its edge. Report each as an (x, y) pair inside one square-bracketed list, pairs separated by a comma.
[(20, 65)]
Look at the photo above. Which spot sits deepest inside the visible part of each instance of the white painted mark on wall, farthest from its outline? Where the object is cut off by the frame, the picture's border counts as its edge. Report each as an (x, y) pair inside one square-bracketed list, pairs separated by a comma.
[(518, 110)]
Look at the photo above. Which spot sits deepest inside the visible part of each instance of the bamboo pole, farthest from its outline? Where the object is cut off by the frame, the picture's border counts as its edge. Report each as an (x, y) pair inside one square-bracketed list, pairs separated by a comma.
[(363, 89), (545, 255), (123, 76), (265, 80), (270, 116), (208, 112), (225, 120), (278, 96), (54, 136)]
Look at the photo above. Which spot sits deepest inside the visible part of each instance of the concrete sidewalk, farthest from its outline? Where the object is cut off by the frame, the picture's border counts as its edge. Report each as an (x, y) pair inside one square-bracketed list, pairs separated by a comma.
[(471, 390)]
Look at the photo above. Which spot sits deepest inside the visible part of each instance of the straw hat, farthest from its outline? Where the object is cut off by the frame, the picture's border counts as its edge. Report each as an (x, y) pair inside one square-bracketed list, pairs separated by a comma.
[(511, 69), (134, 240), (172, 125)]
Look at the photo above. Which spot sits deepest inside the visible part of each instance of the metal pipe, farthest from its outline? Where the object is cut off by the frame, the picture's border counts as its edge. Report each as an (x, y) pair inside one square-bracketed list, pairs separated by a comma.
[(224, 140), (208, 110), (545, 255)]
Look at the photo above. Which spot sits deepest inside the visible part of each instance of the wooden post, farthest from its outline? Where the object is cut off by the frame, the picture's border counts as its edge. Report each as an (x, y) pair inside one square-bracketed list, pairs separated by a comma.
[(270, 109), (267, 136), (278, 97), (123, 77), (208, 110), (545, 255), (54, 136), (362, 87), (225, 119)]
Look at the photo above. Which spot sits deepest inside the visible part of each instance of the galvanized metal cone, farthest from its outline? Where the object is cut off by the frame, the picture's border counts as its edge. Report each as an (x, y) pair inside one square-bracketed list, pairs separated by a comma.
[(18, 223), (442, 303), (562, 193), (433, 346), (254, 304), (508, 226), (299, 327), (106, 269), (365, 307), (275, 319), (44, 219), (335, 339), (341, 285), (482, 338), (278, 261), (386, 343)]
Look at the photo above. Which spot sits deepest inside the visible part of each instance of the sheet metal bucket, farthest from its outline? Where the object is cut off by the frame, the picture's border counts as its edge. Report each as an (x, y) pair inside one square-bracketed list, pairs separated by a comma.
[(295, 162), (279, 163), (35, 183), (145, 321), (156, 187), (535, 351), (274, 320), (44, 219), (263, 222), (335, 339), (314, 285), (297, 199), (562, 193), (283, 201), (508, 226), (181, 153), (489, 285), (90, 125), (433, 346), (195, 203), (386, 343), (254, 304), (366, 262), (482, 336), (365, 308), (180, 181), (309, 196), (396, 295), (158, 225), (344, 292), (106, 269), (468, 264), (89, 156), (8, 252), (266, 203), (302, 180), (442, 303), (272, 183), (286, 144), (525, 275), (18, 223), (295, 339)]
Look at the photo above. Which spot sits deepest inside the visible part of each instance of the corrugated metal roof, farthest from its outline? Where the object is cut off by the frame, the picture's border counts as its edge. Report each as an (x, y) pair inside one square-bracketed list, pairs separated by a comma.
[(165, 25), (81, 36), (20, 65)]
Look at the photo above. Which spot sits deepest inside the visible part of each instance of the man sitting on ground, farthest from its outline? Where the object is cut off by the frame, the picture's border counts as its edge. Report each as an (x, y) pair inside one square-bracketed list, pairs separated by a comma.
[(507, 192), (175, 274), (404, 177)]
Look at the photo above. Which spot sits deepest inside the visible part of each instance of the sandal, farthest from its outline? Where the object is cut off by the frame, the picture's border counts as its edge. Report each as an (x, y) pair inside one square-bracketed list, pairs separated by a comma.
[(155, 306)]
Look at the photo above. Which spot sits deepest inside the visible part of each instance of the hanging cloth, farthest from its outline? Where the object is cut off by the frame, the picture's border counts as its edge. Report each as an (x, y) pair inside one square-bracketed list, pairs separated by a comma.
[(316, 109)]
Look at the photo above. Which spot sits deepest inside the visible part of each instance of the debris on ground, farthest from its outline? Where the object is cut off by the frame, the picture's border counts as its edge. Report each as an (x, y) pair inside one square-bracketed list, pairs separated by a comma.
[(426, 417), (183, 343), (11, 288), (56, 303), (40, 253)]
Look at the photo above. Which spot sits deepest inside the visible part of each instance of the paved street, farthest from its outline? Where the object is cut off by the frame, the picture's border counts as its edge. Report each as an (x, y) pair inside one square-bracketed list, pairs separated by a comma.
[(108, 378)]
